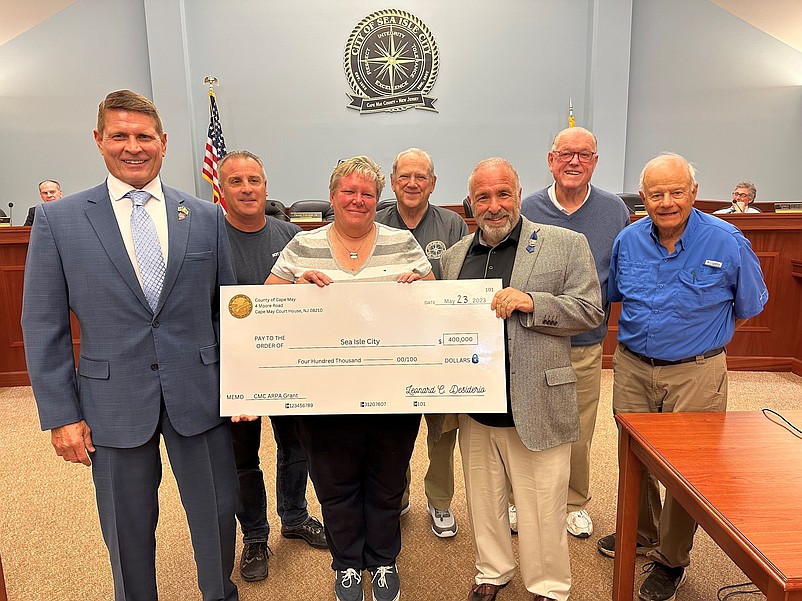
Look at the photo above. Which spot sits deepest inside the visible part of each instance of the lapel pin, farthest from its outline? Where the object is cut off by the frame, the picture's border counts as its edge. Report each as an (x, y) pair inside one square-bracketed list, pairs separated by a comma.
[(182, 213), (531, 246)]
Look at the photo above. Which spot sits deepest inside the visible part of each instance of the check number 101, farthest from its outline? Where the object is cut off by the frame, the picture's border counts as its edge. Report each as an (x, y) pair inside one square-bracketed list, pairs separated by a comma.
[(450, 339)]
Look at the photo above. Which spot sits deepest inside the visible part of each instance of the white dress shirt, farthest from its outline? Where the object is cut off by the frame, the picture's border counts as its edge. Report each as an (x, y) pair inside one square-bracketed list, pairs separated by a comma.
[(156, 208)]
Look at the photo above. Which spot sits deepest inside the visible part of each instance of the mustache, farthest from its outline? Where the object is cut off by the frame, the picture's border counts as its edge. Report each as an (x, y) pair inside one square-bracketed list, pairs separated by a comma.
[(496, 215)]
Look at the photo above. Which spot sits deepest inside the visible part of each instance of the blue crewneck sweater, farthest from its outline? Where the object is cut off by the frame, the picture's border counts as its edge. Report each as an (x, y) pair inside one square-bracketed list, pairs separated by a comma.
[(600, 219)]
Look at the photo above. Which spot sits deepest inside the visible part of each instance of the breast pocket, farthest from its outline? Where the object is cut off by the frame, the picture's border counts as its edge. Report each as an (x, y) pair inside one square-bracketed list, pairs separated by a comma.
[(631, 279), (703, 286), (203, 255)]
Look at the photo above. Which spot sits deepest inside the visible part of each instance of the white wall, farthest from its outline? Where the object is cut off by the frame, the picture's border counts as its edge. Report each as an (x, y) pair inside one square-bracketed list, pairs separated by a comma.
[(724, 94), (647, 76), (51, 80), (506, 74)]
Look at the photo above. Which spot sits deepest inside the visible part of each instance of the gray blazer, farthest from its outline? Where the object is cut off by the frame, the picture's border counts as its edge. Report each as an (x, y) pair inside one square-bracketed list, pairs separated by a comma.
[(130, 357), (560, 276)]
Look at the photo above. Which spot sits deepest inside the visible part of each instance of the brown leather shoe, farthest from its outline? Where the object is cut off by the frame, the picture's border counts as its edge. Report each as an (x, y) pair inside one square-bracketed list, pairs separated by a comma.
[(485, 591)]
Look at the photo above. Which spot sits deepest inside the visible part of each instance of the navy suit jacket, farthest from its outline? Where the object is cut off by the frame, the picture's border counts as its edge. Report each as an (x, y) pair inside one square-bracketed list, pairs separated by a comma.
[(130, 357)]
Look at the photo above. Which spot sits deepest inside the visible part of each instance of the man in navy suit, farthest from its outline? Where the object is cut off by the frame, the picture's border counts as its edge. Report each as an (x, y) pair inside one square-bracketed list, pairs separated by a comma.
[(149, 364)]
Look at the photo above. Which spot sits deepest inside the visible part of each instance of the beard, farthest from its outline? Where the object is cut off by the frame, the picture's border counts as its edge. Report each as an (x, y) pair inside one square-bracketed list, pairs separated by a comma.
[(493, 234)]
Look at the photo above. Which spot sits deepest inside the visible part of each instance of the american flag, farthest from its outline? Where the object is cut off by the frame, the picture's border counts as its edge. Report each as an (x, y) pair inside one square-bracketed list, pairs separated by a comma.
[(215, 149)]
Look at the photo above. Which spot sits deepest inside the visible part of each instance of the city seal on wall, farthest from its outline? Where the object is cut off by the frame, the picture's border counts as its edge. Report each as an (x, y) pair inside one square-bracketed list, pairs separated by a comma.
[(391, 61)]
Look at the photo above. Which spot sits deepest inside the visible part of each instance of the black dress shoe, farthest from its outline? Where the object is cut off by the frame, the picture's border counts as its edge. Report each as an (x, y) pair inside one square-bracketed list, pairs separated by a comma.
[(485, 591), (310, 531)]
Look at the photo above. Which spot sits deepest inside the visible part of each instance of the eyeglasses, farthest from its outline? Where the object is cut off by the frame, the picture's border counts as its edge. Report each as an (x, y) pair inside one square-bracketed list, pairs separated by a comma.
[(565, 156), (740, 195)]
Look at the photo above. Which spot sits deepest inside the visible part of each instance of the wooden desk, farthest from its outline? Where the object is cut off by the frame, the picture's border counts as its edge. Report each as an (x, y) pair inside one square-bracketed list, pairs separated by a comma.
[(738, 474), (3, 595)]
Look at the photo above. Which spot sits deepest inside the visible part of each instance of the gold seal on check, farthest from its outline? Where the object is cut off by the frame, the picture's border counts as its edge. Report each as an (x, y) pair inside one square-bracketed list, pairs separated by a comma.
[(240, 306)]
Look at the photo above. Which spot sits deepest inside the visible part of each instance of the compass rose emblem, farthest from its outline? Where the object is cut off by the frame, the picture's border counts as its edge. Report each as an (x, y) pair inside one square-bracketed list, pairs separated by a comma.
[(391, 62)]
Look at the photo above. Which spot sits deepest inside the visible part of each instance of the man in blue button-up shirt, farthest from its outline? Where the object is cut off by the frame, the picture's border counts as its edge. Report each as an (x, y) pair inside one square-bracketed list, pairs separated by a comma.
[(686, 280)]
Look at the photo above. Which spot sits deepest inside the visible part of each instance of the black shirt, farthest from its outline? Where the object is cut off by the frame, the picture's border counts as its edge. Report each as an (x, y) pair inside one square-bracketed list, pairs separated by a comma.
[(484, 262)]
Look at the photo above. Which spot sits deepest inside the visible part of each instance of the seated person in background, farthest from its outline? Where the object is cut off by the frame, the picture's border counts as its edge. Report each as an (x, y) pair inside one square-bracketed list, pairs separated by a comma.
[(357, 463), (49, 190), (742, 198)]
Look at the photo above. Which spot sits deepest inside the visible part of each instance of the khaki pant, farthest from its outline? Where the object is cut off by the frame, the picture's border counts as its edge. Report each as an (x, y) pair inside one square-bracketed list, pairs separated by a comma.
[(439, 480), (640, 388), (495, 459), (587, 363)]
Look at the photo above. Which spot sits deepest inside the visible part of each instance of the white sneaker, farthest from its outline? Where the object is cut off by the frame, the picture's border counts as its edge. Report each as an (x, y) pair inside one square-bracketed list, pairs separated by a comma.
[(405, 509), (579, 524), (443, 523), (513, 513)]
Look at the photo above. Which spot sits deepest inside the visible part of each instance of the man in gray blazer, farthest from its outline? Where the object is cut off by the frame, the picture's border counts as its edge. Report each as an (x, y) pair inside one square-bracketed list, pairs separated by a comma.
[(550, 292), (147, 300)]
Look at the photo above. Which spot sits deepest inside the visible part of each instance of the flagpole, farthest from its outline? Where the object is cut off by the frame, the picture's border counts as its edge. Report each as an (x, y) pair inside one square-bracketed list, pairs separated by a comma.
[(215, 144), (571, 122)]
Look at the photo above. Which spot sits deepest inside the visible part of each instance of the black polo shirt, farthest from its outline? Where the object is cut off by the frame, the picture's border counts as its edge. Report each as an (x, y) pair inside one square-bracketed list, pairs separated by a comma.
[(483, 262)]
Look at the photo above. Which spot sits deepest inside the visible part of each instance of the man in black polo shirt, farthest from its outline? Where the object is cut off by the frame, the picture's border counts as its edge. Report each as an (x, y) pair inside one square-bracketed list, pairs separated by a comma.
[(550, 292)]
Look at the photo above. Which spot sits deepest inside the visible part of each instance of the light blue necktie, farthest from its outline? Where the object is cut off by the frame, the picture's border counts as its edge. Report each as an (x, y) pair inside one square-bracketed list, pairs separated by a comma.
[(147, 248)]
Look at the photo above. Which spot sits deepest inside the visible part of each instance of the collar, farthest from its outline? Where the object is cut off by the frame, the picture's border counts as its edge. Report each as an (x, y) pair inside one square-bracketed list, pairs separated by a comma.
[(422, 219), (687, 234), (553, 197), (118, 188), (512, 238)]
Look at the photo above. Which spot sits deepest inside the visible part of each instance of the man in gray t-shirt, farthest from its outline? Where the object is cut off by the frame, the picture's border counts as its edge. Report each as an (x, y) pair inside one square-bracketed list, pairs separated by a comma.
[(436, 229), (256, 242)]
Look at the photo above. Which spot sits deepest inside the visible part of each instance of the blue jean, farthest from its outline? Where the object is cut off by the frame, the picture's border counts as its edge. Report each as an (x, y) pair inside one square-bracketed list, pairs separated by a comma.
[(291, 477)]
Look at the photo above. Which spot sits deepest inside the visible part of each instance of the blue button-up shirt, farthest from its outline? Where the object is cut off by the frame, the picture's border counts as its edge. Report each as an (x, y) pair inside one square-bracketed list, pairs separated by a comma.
[(685, 303)]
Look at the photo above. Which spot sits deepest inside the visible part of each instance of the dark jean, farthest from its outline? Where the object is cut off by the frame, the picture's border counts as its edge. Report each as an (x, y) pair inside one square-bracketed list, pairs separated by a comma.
[(291, 477)]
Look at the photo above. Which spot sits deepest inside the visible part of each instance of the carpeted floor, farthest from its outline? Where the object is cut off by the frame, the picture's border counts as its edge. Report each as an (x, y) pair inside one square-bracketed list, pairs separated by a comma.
[(52, 549)]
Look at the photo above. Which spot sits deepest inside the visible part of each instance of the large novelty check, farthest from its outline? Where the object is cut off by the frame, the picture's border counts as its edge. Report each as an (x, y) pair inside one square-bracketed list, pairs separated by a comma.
[(298, 349)]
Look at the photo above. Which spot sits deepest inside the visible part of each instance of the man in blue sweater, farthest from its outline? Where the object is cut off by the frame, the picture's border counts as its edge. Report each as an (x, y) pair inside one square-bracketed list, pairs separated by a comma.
[(571, 202)]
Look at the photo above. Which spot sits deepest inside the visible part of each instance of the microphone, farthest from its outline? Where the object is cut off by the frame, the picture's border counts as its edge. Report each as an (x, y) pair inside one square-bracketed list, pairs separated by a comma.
[(10, 212)]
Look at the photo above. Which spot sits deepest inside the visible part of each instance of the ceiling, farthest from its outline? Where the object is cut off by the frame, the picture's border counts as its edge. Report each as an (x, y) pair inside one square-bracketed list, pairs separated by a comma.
[(781, 19), (20, 16)]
